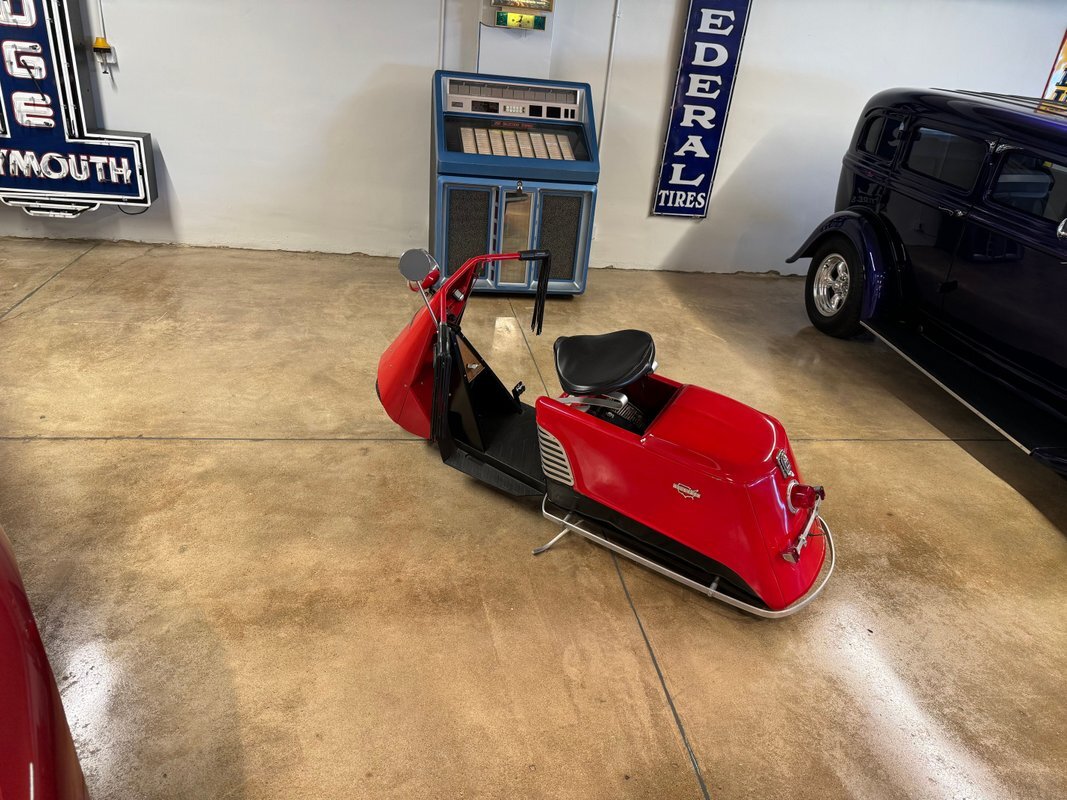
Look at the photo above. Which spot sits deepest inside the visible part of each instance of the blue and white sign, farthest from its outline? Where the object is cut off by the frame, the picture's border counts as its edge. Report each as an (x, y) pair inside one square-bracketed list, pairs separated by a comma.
[(53, 162), (714, 32)]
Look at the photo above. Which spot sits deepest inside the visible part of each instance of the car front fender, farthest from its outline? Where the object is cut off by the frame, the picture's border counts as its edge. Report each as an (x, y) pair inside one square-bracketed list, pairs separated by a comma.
[(859, 230)]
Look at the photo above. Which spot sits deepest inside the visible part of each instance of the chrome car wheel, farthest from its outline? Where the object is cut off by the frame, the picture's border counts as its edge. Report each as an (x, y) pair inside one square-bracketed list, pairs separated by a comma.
[(829, 290)]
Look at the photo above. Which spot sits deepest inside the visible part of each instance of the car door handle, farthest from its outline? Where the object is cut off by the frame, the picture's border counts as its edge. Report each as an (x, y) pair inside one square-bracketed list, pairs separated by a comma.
[(952, 212)]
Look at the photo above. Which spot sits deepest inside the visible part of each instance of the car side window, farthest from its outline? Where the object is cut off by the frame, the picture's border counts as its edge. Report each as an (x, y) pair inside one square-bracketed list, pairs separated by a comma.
[(946, 157), (881, 137), (1033, 185)]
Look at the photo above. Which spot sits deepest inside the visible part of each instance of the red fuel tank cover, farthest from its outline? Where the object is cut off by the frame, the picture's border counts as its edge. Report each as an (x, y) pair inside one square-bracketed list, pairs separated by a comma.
[(728, 435)]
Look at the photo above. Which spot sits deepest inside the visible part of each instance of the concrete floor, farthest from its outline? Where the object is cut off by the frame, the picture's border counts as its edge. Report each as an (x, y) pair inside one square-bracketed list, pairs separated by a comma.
[(251, 584)]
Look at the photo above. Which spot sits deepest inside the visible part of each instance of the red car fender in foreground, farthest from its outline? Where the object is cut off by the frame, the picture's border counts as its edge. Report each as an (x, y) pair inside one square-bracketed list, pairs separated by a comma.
[(37, 757)]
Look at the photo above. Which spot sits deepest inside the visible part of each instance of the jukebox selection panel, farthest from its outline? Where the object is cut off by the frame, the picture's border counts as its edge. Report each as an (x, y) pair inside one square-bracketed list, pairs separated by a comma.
[(514, 139), (516, 144)]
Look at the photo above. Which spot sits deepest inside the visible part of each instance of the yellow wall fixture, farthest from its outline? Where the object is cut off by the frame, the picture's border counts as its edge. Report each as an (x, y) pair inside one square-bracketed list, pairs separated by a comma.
[(505, 19), (103, 51)]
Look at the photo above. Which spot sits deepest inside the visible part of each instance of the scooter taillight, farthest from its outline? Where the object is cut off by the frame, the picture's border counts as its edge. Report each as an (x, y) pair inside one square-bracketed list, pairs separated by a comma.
[(802, 496)]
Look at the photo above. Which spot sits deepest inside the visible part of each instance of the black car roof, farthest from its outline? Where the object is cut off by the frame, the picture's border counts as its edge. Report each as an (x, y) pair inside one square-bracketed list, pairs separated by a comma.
[(1030, 120)]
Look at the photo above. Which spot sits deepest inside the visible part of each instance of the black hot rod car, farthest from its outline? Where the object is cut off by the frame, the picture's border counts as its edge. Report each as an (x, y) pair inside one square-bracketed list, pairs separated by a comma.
[(949, 242)]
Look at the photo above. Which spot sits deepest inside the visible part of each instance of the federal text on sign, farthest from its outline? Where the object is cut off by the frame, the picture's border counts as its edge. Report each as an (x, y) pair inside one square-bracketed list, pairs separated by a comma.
[(715, 30)]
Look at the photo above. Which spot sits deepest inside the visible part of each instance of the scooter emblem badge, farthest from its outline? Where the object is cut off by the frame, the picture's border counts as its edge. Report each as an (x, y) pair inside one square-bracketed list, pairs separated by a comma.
[(687, 492), (782, 457)]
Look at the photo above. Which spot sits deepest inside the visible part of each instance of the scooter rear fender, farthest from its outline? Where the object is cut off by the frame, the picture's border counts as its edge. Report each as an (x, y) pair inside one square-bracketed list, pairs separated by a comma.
[(726, 508)]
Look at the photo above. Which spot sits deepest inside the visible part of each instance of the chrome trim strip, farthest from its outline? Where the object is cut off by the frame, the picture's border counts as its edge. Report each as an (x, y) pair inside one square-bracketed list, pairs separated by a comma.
[(788, 496), (973, 410), (554, 461), (613, 400), (575, 526), (554, 457)]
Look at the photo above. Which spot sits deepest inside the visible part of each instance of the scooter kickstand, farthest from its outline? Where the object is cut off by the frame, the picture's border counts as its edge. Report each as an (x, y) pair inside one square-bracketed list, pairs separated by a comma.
[(545, 547)]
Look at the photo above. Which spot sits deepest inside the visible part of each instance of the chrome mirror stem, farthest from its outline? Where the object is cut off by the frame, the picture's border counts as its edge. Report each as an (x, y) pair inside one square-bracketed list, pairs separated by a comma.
[(426, 300)]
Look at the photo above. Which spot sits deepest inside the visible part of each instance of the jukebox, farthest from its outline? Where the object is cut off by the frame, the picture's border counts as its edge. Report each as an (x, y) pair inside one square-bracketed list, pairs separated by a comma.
[(515, 166)]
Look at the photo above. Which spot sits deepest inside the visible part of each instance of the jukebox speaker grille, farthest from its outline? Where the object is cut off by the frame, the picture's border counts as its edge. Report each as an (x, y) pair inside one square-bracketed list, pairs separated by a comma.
[(468, 225), (561, 221)]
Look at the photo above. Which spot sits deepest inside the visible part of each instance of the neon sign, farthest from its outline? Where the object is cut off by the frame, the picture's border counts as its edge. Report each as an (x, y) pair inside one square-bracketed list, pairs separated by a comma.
[(53, 160)]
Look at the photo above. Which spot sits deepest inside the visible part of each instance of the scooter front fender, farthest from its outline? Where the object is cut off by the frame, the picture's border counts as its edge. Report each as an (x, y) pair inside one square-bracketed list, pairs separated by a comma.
[(405, 376)]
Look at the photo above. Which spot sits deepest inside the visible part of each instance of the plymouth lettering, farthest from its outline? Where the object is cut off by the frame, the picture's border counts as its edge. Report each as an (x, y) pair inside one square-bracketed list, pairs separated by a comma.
[(53, 161)]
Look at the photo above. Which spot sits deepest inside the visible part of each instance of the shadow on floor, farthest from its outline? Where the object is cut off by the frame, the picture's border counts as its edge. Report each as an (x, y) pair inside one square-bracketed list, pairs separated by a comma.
[(866, 360), (1044, 489)]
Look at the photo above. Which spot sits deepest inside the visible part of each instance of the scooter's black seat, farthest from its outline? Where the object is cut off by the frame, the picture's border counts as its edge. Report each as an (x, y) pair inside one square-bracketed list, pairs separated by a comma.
[(605, 363)]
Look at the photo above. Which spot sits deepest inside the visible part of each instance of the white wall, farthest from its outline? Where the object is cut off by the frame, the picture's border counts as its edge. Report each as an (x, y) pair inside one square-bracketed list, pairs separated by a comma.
[(279, 125), (807, 68), (306, 125)]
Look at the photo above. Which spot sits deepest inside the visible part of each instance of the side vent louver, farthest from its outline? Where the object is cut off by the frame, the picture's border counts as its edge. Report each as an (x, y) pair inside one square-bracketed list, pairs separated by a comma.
[(554, 459)]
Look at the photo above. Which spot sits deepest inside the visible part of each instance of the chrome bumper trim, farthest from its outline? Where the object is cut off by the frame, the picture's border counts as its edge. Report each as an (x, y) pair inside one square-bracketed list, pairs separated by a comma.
[(572, 522)]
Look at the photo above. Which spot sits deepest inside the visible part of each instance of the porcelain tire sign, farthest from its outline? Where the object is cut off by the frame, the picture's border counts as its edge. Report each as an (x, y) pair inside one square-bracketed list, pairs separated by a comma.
[(711, 48), (53, 160)]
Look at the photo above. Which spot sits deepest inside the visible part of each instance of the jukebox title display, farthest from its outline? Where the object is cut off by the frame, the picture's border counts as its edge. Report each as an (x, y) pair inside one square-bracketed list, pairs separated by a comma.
[(515, 167)]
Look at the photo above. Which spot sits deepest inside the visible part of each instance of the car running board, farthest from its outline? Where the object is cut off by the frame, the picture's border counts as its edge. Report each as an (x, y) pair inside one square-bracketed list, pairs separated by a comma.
[(572, 523), (1040, 432)]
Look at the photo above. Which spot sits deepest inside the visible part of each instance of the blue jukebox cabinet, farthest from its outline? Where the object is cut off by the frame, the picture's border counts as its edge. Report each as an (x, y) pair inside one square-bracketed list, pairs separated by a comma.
[(515, 166)]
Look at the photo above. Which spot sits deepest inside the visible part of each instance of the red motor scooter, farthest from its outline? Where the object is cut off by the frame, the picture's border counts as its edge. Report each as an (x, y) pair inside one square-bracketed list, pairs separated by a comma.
[(684, 481)]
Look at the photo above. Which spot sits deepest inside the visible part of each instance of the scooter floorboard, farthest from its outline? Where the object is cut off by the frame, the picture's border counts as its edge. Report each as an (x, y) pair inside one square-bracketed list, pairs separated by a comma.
[(512, 440), (511, 461)]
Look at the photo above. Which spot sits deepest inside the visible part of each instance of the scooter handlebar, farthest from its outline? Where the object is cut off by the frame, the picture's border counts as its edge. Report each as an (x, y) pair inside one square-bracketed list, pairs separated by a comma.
[(464, 277), (543, 274)]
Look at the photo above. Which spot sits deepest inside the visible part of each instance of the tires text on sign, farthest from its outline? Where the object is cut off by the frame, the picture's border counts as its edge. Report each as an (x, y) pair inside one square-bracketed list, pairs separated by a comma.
[(714, 32), (53, 161)]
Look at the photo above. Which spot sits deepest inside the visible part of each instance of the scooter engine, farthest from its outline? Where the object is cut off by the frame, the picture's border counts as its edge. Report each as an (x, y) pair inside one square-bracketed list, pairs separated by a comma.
[(629, 417)]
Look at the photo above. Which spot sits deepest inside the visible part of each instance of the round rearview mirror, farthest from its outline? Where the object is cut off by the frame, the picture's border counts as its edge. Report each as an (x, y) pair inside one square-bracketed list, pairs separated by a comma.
[(415, 265)]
